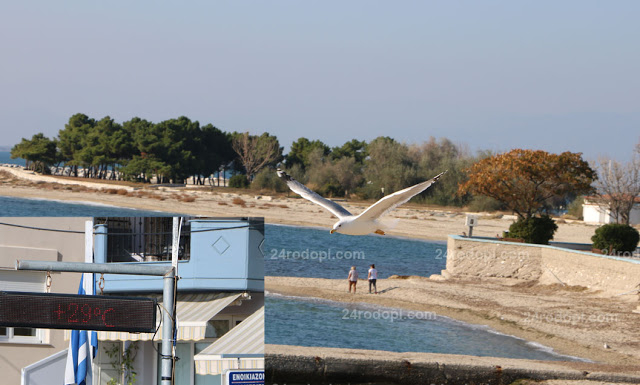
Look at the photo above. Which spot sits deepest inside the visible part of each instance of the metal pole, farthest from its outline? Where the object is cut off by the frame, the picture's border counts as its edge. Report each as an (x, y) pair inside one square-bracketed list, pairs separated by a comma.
[(88, 256), (100, 246), (166, 368), (107, 268), (88, 284), (175, 245)]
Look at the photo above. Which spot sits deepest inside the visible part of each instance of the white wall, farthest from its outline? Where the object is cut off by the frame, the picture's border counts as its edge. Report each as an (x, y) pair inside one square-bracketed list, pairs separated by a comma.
[(595, 214), (634, 218), (599, 215)]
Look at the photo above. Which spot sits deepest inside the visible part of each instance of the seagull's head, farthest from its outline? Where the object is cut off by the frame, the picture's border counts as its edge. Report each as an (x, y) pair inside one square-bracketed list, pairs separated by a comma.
[(336, 227)]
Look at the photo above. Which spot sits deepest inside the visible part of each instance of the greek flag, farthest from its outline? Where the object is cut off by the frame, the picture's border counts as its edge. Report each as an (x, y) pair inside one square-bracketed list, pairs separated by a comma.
[(82, 348)]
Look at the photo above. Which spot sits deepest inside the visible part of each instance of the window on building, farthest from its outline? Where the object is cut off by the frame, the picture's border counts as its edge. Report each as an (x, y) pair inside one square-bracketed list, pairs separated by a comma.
[(144, 239), (18, 335), (27, 281), (217, 328)]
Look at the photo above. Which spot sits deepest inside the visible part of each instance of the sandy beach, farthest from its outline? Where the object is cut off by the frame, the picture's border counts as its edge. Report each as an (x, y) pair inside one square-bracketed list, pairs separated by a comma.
[(415, 221)]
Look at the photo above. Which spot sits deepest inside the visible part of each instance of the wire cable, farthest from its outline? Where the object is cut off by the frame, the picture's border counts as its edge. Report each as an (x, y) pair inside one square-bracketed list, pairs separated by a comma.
[(41, 228), (160, 233)]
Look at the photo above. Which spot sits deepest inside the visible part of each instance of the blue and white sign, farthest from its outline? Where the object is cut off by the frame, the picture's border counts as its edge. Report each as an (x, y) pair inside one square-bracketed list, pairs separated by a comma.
[(245, 377)]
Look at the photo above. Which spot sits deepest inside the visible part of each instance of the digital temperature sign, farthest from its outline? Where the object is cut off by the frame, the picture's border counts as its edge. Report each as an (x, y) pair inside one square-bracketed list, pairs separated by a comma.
[(75, 312)]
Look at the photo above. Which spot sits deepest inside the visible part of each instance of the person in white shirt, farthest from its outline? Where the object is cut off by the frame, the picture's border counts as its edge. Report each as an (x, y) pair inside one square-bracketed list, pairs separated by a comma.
[(353, 279), (373, 277)]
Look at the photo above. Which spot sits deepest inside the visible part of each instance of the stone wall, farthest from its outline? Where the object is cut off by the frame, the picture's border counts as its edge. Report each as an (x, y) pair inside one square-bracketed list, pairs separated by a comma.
[(542, 263), (612, 276), (314, 365), (484, 258)]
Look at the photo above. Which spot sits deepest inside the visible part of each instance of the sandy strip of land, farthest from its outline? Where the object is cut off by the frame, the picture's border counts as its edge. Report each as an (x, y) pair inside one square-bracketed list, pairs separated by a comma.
[(431, 223), (571, 320)]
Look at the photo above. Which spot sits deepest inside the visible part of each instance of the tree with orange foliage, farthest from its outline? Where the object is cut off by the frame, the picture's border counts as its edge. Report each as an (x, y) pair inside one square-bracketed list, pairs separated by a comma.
[(524, 179)]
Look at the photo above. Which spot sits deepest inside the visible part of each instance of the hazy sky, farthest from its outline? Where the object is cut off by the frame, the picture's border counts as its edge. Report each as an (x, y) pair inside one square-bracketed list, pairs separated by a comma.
[(552, 75)]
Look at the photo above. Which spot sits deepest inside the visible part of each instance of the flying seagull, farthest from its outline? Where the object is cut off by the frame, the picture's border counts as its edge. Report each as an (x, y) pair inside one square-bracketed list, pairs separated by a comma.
[(367, 222)]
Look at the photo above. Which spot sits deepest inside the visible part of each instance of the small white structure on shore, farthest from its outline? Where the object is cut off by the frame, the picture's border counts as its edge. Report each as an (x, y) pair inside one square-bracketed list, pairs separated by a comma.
[(595, 211)]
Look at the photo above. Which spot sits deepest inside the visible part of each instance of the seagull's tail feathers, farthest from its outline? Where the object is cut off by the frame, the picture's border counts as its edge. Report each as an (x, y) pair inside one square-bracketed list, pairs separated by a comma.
[(282, 174), (435, 178)]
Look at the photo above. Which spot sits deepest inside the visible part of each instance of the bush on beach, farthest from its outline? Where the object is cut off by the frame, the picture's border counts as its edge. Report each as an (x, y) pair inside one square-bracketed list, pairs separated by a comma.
[(538, 230), (616, 239), (238, 181)]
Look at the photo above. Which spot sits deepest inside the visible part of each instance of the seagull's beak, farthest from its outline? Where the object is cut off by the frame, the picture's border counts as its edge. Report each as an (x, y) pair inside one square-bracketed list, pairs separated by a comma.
[(332, 231)]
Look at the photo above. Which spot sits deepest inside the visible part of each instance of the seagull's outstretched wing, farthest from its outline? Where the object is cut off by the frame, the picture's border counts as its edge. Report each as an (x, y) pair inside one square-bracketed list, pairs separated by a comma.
[(304, 192), (394, 200)]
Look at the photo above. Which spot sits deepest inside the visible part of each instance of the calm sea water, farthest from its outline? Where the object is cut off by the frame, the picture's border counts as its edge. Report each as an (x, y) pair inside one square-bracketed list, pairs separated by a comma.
[(311, 252), (20, 207), (5, 157), (315, 322)]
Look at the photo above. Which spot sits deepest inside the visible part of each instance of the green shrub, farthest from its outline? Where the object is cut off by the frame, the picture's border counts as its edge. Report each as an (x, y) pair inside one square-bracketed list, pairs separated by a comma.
[(238, 181), (616, 239), (331, 190), (537, 230), (268, 179)]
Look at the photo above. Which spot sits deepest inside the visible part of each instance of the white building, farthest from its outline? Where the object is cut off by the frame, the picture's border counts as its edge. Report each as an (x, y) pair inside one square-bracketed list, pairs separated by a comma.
[(597, 212)]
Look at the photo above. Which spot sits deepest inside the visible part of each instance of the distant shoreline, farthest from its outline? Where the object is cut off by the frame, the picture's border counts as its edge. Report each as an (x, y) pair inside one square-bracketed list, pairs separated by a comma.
[(415, 222)]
